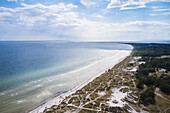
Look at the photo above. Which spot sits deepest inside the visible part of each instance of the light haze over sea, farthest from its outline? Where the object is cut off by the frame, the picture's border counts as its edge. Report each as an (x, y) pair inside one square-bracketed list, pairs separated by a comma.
[(32, 72)]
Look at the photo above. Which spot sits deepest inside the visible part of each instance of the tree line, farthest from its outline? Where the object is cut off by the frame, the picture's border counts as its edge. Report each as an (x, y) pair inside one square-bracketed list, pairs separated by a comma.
[(149, 73)]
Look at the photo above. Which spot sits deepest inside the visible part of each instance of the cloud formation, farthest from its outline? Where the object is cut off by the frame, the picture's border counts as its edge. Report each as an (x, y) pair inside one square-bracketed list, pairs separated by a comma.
[(130, 4), (158, 11), (67, 21), (88, 3), (39, 13), (93, 3), (132, 30)]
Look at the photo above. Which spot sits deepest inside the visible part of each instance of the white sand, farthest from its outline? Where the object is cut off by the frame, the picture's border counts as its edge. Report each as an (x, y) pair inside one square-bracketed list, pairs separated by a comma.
[(137, 58), (101, 93), (134, 69), (57, 100), (117, 97), (142, 62)]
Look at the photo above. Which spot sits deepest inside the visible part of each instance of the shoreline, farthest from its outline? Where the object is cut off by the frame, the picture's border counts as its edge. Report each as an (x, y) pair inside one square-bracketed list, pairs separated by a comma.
[(56, 100)]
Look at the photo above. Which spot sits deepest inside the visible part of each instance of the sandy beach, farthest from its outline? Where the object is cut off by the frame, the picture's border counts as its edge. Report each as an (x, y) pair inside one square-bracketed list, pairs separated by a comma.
[(57, 100)]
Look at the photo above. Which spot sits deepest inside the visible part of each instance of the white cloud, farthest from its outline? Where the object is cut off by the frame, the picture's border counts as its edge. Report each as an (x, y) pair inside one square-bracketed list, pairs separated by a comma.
[(61, 21), (89, 30), (52, 8), (161, 10), (88, 3), (130, 4), (166, 13), (4, 14), (94, 3), (83, 29), (155, 7), (153, 14), (140, 6), (146, 23), (125, 3), (96, 16), (39, 13)]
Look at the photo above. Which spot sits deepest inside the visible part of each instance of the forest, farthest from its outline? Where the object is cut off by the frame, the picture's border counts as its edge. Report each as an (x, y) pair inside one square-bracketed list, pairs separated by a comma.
[(155, 72)]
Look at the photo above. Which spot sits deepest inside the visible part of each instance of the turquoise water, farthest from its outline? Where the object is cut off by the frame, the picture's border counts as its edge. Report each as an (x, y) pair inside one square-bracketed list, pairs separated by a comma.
[(32, 72)]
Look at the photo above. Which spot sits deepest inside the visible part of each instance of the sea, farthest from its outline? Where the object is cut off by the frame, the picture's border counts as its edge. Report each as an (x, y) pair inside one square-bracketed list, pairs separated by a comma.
[(32, 72)]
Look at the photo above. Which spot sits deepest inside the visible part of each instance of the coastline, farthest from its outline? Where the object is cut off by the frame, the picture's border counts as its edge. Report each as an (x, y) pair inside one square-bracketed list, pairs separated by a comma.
[(58, 99)]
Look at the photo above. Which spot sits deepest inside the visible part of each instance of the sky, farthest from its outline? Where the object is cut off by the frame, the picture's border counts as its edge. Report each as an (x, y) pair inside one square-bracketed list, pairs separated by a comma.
[(85, 20)]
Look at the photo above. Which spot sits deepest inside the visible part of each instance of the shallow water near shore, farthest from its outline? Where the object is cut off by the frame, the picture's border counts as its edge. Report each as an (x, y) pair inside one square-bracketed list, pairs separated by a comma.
[(33, 72)]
